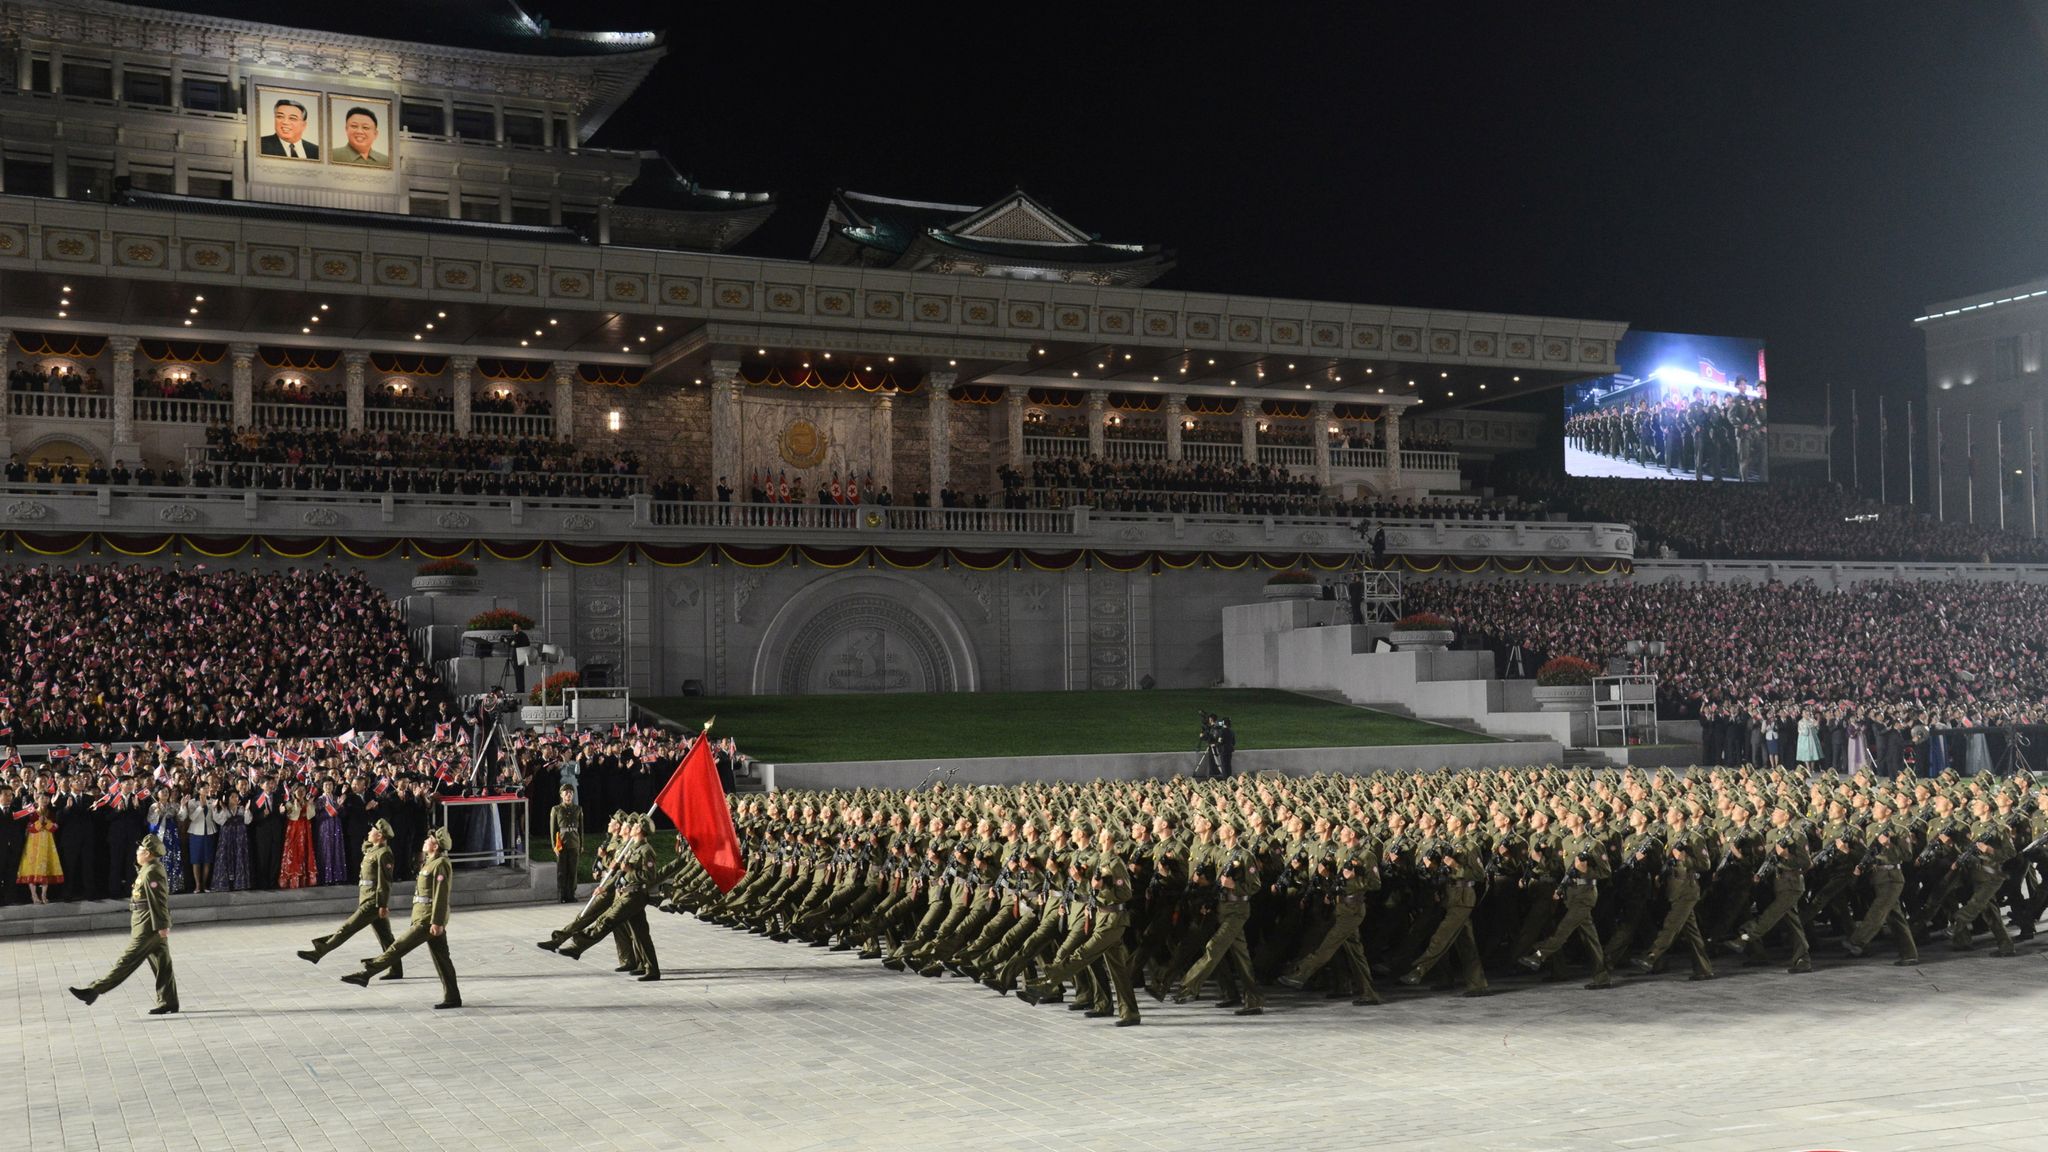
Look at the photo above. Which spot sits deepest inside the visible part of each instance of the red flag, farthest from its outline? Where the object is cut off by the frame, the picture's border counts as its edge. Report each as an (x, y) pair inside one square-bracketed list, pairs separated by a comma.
[(695, 802)]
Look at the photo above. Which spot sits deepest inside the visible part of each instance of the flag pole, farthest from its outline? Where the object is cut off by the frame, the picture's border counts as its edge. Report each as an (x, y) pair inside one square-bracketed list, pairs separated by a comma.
[(1998, 440), (1970, 467), (1828, 421), (1940, 462), (1911, 491), (1884, 434), (1855, 446)]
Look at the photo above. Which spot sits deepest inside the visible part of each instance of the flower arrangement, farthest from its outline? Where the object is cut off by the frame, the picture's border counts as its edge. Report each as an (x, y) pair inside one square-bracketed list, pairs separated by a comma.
[(1566, 672), (452, 566), (499, 620), (1422, 622), (550, 690), (1291, 576)]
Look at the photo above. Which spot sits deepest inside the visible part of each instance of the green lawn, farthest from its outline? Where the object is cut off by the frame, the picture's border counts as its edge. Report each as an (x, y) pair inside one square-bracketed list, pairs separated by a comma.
[(903, 726)]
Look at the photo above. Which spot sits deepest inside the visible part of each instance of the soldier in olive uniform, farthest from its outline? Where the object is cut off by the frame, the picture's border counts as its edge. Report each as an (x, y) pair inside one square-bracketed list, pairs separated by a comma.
[(149, 925), (1234, 873), (1104, 918), (1579, 893), (373, 901), (1347, 876), (433, 890), (1984, 867), (1457, 881), (1884, 863), (1686, 860), (1788, 859), (637, 872), (565, 822)]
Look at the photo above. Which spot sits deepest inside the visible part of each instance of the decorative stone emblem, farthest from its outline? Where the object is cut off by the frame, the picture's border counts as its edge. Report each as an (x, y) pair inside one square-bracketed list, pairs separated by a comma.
[(1224, 536), (1475, 540), (602, 606), (177, 514), (320, 518), (1313, 537), (1625, 543), (1130, 533), (802, 444), (979, 588), (603, 633), (28, 510), (1034, 596), (578, 522), (1555, 543), (454, 520), (743, 589)]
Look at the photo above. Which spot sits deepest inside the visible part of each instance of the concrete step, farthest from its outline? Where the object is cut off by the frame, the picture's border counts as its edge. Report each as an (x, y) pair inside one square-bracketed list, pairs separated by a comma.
[(474, 887)]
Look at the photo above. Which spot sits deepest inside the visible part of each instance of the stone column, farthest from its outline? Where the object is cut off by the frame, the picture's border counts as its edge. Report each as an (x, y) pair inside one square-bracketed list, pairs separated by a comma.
[(1248, 430), (564, 404), (1098, 411), (125, 450), (1392, 438), (884, 436), (6, 362), (1319, 435), (1175, 413), (1016, 394), (243, 381), (465, 390), (725, 424), (939, 430), (352, 365)]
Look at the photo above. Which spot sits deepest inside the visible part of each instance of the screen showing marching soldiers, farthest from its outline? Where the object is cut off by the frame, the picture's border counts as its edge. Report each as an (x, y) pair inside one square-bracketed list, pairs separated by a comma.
[(1683, 407)]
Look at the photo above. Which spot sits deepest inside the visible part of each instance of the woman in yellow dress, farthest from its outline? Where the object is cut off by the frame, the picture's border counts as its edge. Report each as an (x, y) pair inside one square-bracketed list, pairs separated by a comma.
[(40, 867)]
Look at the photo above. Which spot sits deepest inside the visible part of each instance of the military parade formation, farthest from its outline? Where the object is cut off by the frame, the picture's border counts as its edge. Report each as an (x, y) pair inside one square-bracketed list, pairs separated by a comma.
[(1089, 893), (1709, 437)]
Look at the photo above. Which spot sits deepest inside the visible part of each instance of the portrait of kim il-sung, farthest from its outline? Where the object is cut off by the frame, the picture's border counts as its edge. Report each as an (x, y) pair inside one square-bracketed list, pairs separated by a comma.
[(292, 118), (357, 131)]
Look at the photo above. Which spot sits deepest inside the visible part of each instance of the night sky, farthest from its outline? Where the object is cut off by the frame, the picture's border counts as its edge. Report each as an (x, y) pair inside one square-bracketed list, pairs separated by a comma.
[(1809, 173)]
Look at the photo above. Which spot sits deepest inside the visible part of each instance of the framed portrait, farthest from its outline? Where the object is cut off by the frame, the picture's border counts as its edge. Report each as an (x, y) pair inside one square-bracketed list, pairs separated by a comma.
[(288, 124), (359, 132)]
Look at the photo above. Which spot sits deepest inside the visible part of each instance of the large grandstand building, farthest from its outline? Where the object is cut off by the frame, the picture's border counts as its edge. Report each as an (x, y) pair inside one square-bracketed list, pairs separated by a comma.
[(390, 221)]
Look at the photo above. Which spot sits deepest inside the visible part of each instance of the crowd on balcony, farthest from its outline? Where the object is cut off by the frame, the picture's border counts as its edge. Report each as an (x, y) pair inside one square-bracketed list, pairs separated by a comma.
[(1776, 521), (1888, 655), (524, 455), (58, 380)]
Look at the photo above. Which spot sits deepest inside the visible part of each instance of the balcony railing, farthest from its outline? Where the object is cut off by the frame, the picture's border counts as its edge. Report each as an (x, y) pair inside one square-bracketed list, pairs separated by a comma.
[(60, 406), (132, 509), (1134, 449), (512, 424), (1212, 452), (172, 410), (1054, 447), (408, 420), (1288, 455), (288, 477), (302, 416)]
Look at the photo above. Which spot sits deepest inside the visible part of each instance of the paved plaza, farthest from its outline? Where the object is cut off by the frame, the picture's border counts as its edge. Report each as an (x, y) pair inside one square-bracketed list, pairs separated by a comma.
[(751, 1044)]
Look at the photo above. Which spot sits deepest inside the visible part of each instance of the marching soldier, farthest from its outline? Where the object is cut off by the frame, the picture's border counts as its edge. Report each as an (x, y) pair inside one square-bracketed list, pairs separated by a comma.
[(433, 890), (149, 926), (373, 902)]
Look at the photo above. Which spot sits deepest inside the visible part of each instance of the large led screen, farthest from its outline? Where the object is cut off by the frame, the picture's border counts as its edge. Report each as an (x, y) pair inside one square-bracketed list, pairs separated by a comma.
[(1683, 407)]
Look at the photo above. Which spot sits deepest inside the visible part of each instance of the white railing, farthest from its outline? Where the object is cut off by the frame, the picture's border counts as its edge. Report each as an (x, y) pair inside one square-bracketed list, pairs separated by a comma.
[(511, 424), (287, 477), (1014, 521), (1358, 457), (702, 514), (59, 406), (1212, 452), (1288, 455), (1429, 461), (1134, 449), (1054, 447), (305, 416), (408, 420), (176, 410)]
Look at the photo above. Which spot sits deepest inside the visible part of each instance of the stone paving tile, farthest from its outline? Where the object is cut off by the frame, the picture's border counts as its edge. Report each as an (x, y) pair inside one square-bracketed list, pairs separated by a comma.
[(747, 1044)]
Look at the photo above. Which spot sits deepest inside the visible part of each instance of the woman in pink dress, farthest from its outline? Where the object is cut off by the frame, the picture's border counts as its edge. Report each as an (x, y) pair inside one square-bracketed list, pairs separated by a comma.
[(299, 869)]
